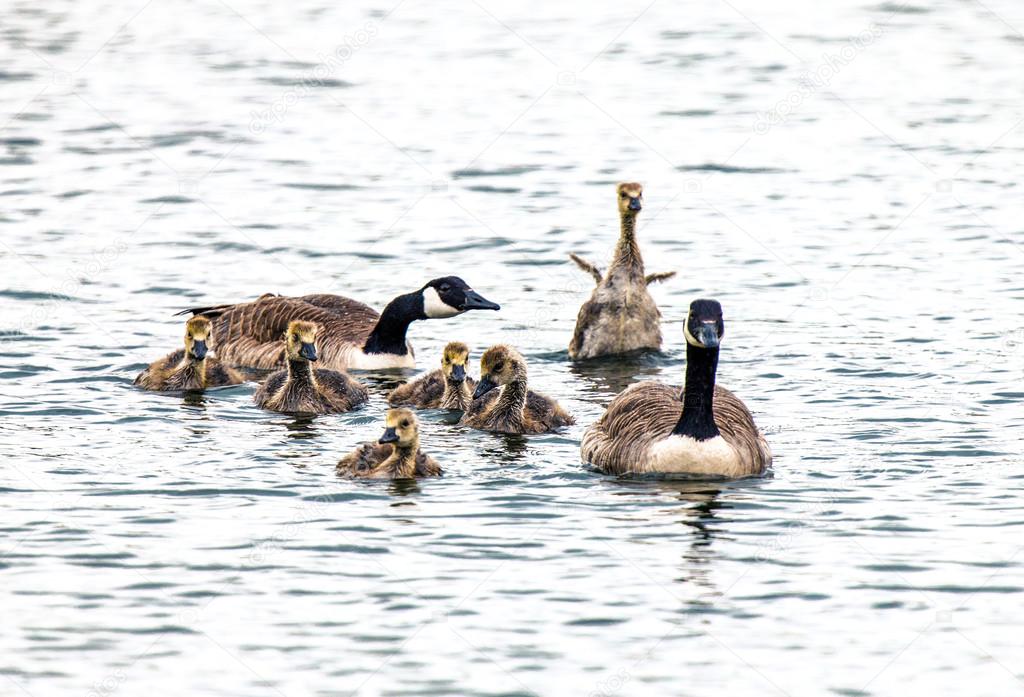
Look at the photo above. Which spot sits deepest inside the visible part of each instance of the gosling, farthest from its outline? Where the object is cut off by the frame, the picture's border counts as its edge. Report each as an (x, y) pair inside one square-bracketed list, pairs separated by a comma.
[(191, 368), (446, 388), (396, 455), (302, 389), (514, 408), (620, 317)]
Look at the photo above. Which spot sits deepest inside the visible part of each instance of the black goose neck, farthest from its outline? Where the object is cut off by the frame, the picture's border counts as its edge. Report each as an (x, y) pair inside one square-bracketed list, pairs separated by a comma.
[(389, 334), (698, 418)]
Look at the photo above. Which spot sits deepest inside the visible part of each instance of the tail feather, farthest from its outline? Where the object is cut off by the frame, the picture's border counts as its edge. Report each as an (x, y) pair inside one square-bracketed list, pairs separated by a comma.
[(211, 312)]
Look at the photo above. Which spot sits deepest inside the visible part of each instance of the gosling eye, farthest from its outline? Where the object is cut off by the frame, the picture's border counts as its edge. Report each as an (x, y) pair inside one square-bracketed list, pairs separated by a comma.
[(500, 367), (405, 424), (295, 337)]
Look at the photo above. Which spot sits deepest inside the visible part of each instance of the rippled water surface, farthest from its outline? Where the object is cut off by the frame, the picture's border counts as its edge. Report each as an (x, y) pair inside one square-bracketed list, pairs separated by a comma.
[(842, 176)]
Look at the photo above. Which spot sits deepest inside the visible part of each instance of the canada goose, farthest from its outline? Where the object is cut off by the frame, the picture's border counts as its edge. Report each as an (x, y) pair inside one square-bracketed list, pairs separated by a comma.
[(446, 388), (513, 408), (191, 368), (620, 315), (396, 455), (353, 337), (301, 388), (705, 430)]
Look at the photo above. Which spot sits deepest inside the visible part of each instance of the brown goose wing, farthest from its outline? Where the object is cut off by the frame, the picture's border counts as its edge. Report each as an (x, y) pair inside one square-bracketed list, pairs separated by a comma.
[(426, 466), (250, 334), (736, 424), (343, 391), (363, 459), (342, 306), (547, 411), (424, 392), (641, 414)]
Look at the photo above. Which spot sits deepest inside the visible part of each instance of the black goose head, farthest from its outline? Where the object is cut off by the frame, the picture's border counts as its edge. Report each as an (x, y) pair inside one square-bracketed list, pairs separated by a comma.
[(450, 296), (704, 325)]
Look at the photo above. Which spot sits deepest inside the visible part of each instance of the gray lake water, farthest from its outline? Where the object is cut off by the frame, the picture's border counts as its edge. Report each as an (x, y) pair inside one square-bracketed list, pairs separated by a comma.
[(841, 176)]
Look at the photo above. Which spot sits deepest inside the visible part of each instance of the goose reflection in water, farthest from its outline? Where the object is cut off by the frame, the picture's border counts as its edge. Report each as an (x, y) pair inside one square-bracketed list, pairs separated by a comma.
[(302, 427)]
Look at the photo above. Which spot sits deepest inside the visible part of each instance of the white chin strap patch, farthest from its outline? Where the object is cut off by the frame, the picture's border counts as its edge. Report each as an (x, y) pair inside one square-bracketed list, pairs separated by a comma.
[(435, 308), (688, 335)]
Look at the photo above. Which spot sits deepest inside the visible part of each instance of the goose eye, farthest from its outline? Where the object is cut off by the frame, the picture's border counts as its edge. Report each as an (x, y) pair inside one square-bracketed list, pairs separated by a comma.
[(445, 287)]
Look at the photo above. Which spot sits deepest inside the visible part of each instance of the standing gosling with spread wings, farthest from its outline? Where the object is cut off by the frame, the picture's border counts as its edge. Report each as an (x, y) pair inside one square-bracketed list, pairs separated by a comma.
[(620, 316), (191, 368), (396, 455), (353, 336), (301, 388), (705, 431), (514, 408), (446, 388)]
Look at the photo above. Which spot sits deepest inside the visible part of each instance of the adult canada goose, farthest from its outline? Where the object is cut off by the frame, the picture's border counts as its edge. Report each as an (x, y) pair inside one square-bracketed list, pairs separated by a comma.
[(446, 388), (705, 430), (191, 368), (620, 315), (353, 336), (396, 455), (301, 388), (514, 408)]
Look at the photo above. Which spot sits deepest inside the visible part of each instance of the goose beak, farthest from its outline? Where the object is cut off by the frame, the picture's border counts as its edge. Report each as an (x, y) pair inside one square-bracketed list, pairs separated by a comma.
[(459, 373), (199, 350), (634, 204), (389, 436), (308, 351), (484, 386), (475, 301), (707, 335)]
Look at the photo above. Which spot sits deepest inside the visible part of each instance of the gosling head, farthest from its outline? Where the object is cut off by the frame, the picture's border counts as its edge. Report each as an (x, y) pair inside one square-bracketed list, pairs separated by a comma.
[(300, 341), (704, 326), (453, 362), (197, 334), (631, 198), (450, 296), (401, 428), (499, 365)]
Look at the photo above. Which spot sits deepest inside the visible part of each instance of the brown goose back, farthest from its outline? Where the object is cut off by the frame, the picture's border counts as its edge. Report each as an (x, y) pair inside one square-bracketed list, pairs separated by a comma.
[(250, 334)]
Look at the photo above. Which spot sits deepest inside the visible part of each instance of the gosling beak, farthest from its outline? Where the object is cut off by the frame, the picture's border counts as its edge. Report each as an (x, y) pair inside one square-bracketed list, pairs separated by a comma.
[(475, 301), (389, 436), (707, 335), (199, 350), (634, 204), (484, 386), (308, 351), (458, 373)]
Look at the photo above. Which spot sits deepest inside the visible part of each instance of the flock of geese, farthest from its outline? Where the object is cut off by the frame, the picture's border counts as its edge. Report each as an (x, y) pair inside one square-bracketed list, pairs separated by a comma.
[(301, 349)]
